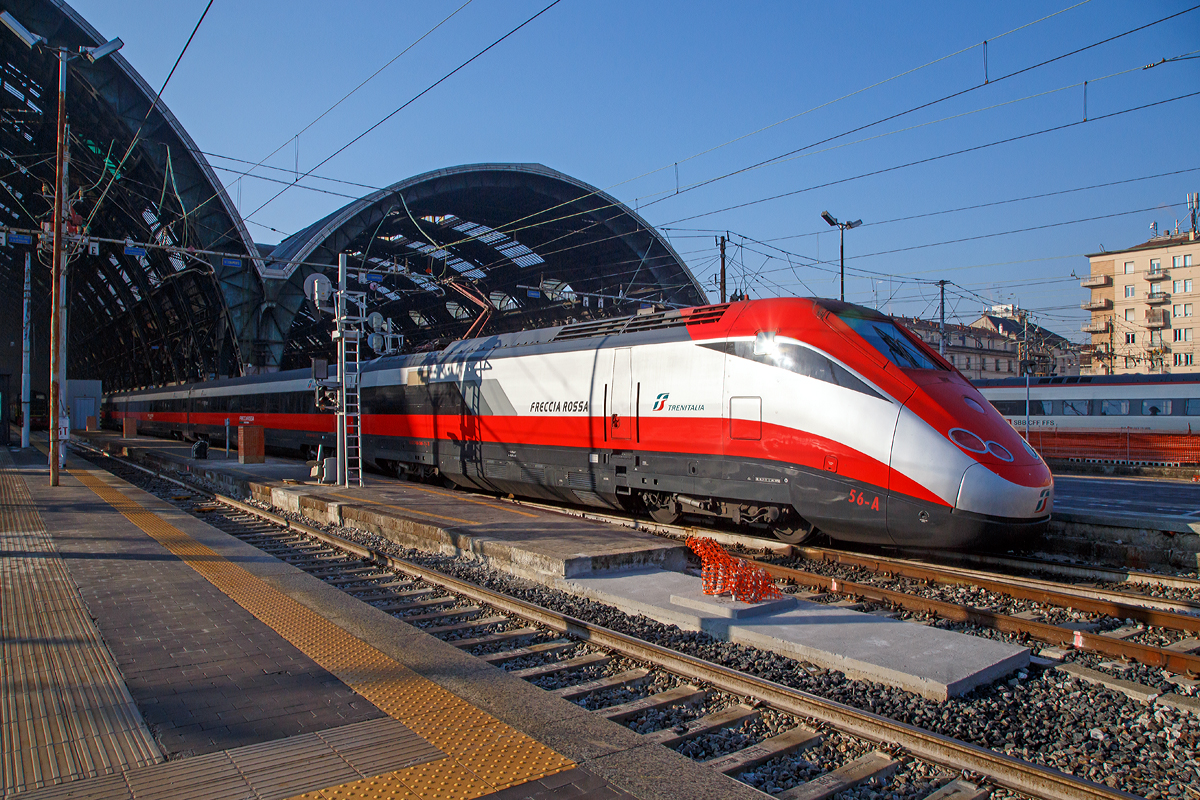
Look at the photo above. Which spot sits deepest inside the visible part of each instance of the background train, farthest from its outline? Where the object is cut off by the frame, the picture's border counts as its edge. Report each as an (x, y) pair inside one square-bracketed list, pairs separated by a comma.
[(792, 414), (1157, 403)]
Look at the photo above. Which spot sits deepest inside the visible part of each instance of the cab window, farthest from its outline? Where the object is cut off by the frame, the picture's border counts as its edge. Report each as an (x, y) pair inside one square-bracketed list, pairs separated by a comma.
[(890, 341)]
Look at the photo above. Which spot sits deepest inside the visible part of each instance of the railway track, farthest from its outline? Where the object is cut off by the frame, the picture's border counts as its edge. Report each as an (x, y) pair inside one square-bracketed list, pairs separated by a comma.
[(1124, 616), (738, 723), (1078, 572)]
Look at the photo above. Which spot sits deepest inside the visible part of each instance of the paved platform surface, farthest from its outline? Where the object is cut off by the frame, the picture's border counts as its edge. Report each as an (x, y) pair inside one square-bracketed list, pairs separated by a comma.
[(294, 688), (929, 661), (524, 541), (1158, 498)]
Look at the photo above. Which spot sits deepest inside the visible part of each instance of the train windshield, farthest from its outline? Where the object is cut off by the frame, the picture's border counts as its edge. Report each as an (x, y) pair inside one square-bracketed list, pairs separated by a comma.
[(890, 341)]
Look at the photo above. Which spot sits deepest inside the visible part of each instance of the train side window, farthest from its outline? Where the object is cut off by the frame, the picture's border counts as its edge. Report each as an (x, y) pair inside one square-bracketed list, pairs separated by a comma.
[(1076, 408), (1153, 408), (1114, 408), (1010, 408), (1016, 408), (1192, 407)]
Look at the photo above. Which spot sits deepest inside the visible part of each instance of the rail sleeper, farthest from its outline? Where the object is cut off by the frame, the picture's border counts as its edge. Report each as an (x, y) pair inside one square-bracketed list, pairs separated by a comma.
[(1138, 691), (796, 739), (960, 790), (630, 677), (591, 659), (677, 696), (876, 765), (726, 718), (545, 648)]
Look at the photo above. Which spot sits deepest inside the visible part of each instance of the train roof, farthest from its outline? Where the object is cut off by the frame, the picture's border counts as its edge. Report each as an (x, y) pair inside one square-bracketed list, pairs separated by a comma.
[(647, 327), (1088, 380)]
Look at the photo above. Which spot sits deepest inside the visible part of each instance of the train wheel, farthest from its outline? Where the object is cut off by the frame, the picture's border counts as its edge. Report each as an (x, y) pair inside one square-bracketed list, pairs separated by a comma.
[(662, 508), (793, 529)]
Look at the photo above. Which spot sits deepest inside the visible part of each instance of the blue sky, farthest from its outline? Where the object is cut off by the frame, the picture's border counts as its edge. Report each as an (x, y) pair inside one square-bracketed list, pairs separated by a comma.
[(619, 93)]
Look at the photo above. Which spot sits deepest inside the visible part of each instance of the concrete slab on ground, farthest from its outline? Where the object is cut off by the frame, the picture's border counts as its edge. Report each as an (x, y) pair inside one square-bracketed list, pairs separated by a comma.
[(929, 661), (524, 541)]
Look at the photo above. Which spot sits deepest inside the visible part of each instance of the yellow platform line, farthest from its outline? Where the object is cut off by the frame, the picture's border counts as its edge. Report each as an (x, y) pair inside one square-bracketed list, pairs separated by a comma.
[(484, 755)]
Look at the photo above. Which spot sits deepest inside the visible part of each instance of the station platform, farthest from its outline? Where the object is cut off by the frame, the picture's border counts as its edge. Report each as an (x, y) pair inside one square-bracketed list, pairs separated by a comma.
[(147, 654)]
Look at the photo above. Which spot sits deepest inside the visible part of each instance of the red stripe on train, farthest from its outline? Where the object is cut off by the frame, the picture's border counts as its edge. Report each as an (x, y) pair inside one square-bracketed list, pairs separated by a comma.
[(704, 437)]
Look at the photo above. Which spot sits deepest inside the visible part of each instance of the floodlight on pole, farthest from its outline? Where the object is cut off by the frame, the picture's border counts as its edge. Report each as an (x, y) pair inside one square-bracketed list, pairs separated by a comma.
[(94, 54), (842, 228), (30, 39)]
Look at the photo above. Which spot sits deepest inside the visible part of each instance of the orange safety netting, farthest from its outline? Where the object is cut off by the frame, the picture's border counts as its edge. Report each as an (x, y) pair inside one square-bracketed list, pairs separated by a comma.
[(1117, 447), (721, 573)]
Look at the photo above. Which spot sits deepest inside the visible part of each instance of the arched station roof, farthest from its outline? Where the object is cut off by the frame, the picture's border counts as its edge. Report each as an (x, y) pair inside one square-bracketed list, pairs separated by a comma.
[(134, 319), (545, 248)]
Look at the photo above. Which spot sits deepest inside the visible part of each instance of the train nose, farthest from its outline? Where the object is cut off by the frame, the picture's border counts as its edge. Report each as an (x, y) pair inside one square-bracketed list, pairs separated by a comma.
[(1027, 495)]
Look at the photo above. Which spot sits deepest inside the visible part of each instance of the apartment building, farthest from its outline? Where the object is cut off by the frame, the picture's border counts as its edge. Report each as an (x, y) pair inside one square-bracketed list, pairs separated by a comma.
[(976, 352), (996, 344), (1145, 307)]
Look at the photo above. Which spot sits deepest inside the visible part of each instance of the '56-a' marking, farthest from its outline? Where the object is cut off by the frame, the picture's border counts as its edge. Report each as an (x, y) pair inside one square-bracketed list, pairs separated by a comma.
[(860, 499)]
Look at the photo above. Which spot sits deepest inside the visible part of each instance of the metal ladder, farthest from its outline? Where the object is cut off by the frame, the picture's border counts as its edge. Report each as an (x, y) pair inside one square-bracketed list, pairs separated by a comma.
[(352, 411)]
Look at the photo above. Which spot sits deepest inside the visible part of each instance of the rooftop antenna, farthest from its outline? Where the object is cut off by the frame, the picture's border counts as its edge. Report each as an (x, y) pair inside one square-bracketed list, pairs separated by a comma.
[(1194, 206), (1154, 230)]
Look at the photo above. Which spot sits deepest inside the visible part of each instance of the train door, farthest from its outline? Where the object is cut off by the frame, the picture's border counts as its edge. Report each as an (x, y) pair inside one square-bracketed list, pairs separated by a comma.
[(621, 420)]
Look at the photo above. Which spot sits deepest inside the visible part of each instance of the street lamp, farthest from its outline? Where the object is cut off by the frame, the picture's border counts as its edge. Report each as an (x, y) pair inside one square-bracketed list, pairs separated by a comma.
[(57, 336), (842, 227)]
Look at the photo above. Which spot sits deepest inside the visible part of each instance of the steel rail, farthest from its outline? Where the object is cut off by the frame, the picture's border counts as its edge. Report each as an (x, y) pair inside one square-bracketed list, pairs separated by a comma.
[(1096, 601), (1181, 663), (1004, 770), (1112, 574)]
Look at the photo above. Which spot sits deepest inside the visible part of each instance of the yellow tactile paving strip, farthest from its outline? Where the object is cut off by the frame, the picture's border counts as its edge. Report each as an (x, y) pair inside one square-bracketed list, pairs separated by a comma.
[(484, 754), (65, 712)]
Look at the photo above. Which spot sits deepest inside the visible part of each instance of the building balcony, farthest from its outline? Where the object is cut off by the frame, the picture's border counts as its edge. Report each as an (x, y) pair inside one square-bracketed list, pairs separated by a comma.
[(1156, 319), (1097, 305), (1154, 298), (1156, 275), (1096, 281), (1096, 327)]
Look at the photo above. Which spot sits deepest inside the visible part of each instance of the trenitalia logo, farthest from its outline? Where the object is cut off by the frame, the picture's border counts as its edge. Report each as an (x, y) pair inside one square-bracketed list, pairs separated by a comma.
[(661, 401), (1041, 506)]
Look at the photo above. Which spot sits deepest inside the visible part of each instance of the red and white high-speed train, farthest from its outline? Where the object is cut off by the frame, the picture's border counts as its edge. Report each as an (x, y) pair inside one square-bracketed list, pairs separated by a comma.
[(795, 414)]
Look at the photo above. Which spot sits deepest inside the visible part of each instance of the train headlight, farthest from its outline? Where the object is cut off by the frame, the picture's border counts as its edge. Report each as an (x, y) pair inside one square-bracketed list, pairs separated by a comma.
[(999, 451), (1029, 449), (967, 440)]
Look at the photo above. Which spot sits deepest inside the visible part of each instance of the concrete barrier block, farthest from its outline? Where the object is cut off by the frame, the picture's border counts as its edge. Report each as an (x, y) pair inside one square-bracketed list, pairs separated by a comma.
[(128, 428)]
